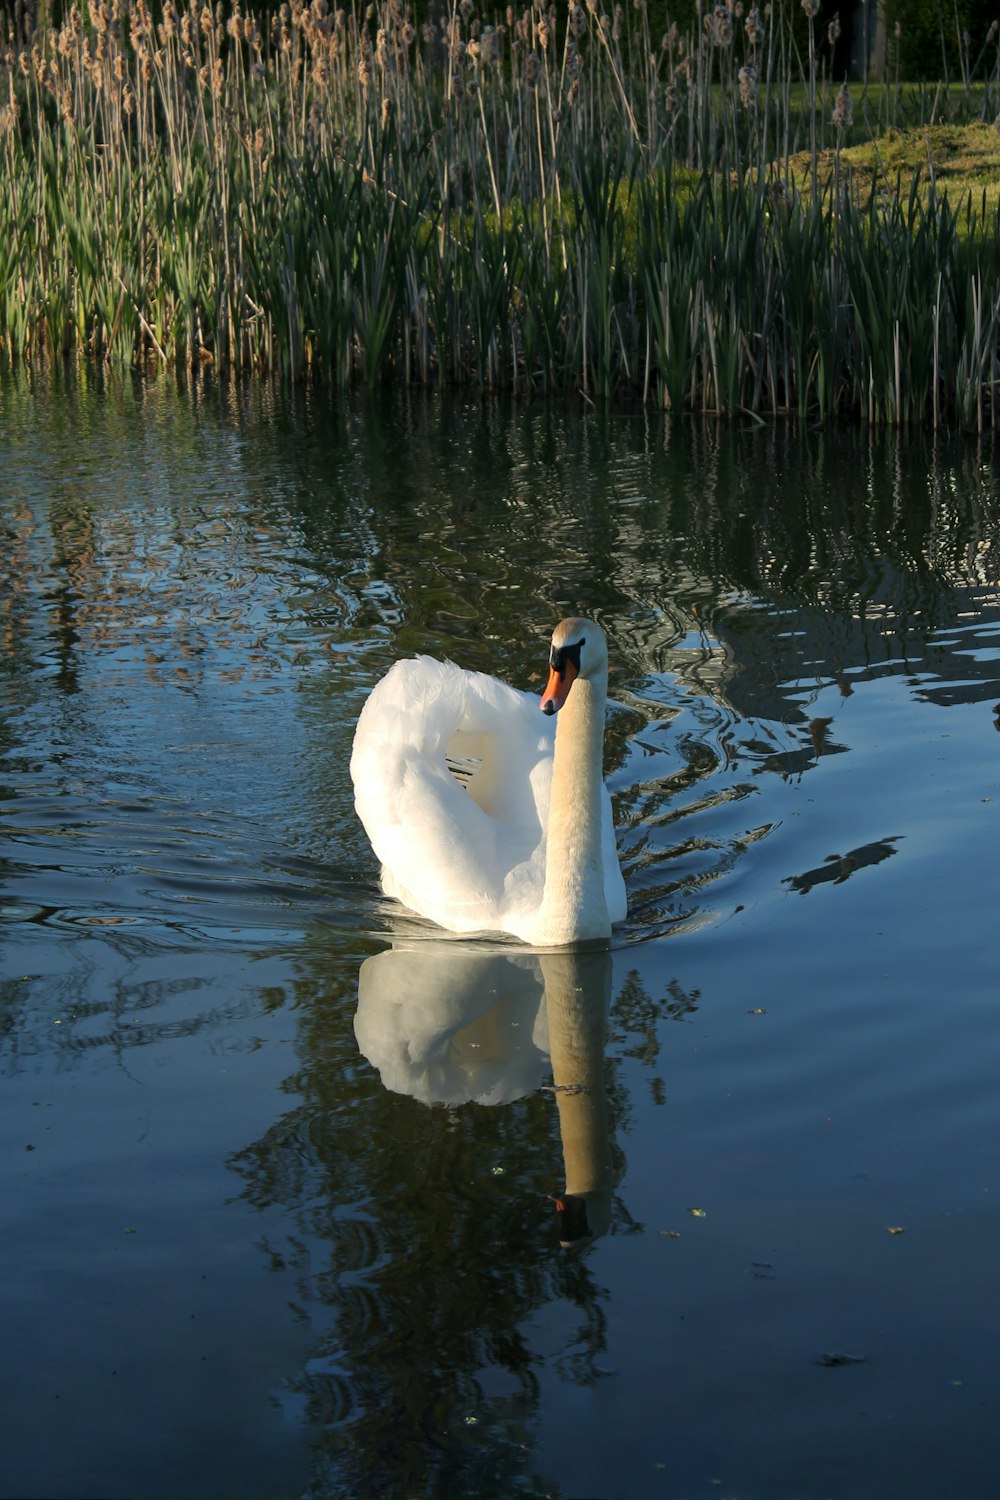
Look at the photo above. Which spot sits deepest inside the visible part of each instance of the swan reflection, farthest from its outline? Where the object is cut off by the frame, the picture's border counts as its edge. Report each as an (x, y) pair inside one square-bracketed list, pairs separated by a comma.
[(448, 1024)]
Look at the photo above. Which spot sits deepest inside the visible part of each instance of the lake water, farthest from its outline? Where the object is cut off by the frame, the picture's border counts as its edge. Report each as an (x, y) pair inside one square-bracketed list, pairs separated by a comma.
[(278, 1162)]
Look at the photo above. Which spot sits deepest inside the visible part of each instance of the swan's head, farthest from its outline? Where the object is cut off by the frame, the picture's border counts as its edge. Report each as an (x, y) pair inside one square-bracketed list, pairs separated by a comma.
[(578, 650)]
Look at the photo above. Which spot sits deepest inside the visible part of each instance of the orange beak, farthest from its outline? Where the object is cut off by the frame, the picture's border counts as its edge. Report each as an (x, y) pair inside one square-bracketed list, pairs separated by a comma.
[(557, 688)]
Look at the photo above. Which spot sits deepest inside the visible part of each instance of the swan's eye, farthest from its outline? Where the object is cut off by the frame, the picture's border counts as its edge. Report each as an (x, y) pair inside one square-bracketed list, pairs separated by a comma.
[(560, 655)]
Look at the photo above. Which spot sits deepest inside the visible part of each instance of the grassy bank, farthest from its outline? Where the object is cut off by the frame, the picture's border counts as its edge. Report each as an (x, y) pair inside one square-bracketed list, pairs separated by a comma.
[(515, 202)]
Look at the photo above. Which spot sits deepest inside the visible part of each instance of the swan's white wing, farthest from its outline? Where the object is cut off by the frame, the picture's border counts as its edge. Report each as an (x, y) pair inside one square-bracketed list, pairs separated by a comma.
[(470, 858)]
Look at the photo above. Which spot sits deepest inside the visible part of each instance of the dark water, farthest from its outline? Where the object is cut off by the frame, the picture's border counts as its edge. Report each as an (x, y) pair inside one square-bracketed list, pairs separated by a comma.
[(278, 1164)]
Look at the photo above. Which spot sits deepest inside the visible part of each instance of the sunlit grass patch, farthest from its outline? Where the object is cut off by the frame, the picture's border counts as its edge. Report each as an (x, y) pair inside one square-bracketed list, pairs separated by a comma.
[(962, 160)]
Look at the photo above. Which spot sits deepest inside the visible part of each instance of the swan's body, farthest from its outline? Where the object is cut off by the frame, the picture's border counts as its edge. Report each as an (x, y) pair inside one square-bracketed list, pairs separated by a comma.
[(528, 846)]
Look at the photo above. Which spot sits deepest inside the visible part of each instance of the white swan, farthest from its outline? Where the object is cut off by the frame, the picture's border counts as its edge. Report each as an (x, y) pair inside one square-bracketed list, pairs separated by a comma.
[(527, 847)]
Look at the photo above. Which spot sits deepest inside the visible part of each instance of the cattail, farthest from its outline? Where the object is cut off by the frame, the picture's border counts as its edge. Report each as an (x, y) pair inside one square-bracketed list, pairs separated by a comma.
[(617, 23), (810, 7), (532, 68), (577, 21), (364, 73), (747, 77), (833, 30), (843, 109), (719, 26), (543, 34), (217, 78), (128, 100), (489, 44), (754, 28)]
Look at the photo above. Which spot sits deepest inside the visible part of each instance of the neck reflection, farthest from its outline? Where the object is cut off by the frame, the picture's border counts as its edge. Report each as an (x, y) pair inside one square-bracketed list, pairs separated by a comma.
[(452, 1024)]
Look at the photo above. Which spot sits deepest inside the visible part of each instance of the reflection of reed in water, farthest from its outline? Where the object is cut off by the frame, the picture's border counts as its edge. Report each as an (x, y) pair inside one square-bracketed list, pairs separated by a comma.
[(451, 1025), (577, 993)]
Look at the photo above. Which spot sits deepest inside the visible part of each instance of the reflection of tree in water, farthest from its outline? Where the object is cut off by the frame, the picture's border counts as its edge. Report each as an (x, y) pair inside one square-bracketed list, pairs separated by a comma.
[(430, 1236), (865, 544), (866, 548), (637, 1016)]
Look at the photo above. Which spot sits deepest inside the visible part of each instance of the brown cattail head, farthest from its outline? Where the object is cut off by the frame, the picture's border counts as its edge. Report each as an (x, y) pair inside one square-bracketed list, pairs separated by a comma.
[(843, 109)]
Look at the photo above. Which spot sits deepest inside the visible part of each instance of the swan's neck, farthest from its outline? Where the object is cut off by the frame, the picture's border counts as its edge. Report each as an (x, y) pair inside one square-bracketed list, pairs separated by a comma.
[(573, 905)]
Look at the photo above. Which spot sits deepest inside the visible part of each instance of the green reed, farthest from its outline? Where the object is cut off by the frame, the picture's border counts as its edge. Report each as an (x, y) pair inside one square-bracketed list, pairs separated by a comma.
[(521, 201)]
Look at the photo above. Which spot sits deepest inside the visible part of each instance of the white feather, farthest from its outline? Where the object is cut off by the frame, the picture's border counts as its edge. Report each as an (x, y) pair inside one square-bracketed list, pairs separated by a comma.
[(470, 857)]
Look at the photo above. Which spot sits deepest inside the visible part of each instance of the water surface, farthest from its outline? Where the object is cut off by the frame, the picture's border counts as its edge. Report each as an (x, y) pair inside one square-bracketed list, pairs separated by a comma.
[(279, 1161)]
